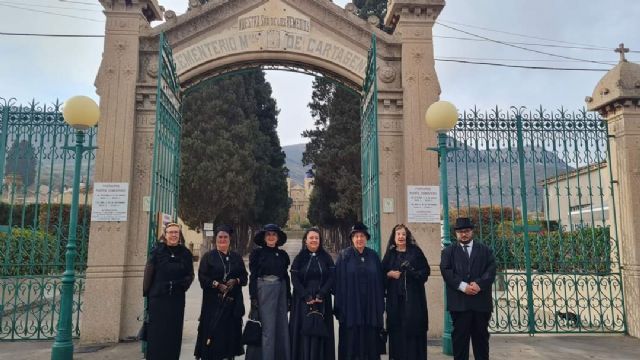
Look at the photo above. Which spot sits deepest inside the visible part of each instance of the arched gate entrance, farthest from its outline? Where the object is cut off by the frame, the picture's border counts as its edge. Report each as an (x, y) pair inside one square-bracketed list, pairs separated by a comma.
[(139, 101)]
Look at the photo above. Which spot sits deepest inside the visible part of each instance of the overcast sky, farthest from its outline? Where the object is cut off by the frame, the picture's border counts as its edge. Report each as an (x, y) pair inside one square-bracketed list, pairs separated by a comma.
[(46, 69)]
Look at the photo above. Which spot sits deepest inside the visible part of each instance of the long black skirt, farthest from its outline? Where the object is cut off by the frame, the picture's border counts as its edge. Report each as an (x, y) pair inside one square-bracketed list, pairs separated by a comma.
[(219, 334), (406, 347), (311, 347), (359, 343), (164, 332)]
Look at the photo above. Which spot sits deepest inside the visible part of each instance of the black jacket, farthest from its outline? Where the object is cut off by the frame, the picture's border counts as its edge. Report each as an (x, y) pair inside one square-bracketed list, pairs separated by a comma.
[(268, 261), (456, 267), (169, 271), (406, 299)]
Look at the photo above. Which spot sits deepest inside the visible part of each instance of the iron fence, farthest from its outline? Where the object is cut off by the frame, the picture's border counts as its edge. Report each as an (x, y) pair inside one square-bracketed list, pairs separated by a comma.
[(35, 196)]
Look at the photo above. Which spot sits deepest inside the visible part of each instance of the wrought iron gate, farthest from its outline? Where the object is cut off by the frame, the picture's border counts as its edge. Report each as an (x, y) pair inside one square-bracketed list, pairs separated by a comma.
[(539, 189), (36, 172), (165, 174), (369, 150)]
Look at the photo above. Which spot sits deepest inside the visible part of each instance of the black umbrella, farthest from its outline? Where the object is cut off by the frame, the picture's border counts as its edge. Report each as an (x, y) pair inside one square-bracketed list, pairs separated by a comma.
[(213, 324)]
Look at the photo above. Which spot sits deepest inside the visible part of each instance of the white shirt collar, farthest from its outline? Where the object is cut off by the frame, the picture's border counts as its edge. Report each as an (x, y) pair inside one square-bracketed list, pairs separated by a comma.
[(470, 244)]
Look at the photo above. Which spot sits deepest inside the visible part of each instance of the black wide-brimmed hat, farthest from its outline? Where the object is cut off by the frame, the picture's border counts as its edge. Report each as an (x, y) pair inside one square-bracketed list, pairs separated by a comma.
[(359, 227), (463, 223), (258, 239)]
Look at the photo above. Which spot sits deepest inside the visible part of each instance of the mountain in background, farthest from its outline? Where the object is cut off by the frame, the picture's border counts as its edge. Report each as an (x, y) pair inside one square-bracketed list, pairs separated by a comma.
[(479, 176), (294, 162), (492, 176)]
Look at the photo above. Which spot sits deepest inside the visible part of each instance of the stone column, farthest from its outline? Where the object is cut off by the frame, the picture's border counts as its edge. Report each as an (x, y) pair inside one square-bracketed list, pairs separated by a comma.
[(624, 124), (617, 98), (413, 22), (109, 270), (390, 150)]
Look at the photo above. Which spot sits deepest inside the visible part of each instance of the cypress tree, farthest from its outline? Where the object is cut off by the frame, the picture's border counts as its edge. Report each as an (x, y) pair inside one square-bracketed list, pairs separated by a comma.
[(271, 203), (334, 153), (232, 163), (21, 162), (217, 169)]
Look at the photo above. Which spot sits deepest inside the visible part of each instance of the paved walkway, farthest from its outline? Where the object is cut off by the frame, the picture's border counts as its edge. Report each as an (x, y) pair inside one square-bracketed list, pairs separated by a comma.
[(610, 347)]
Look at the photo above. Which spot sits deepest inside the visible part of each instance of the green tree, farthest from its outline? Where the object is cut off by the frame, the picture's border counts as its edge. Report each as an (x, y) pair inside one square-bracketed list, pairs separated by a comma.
[(271, 203), (21, 162), (334, 153), (218, 165), (232, 163)]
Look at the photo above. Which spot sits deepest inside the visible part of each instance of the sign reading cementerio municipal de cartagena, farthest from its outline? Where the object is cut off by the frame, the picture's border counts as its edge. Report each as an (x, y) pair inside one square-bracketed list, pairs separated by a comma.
[(110, 202), (273, 27)]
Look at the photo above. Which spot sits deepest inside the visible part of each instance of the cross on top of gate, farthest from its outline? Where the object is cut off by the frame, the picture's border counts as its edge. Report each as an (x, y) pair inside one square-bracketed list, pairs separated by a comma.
[(622, 50)]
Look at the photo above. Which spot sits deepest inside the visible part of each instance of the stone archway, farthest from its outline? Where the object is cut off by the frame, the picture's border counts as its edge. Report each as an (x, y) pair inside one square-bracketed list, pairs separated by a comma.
[(222, 36)]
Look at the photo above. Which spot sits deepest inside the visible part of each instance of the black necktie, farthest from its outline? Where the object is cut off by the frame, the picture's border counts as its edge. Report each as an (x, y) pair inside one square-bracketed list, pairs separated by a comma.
[(466, 249)]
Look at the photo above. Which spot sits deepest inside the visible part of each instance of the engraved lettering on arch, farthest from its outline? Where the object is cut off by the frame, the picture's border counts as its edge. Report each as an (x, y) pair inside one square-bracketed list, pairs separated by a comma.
[(232, 43)]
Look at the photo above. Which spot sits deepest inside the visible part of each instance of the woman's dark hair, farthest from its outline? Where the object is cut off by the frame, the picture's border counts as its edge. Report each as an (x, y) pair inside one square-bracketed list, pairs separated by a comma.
[(304, 237), (223, 227), (392, 238)]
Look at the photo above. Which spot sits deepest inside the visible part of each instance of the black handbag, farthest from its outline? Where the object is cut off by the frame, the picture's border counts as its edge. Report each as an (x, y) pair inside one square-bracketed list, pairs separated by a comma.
[(252, 333), (313, 322)]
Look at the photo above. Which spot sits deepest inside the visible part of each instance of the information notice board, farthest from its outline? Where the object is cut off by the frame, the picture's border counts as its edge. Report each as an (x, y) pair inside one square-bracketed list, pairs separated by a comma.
[(110, 202), (423, 204)]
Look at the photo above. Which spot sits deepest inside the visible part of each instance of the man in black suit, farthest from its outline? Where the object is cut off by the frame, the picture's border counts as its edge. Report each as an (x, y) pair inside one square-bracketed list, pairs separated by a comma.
[(469, 269)]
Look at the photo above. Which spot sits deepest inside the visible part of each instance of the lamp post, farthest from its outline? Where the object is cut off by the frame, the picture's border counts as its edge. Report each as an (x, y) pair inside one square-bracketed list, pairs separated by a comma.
[(441, 117), (81, 113)]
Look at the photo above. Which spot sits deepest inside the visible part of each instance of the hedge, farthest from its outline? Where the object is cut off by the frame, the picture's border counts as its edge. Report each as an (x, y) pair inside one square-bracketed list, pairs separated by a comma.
[(584, 251), (37, 246), (30, 252)]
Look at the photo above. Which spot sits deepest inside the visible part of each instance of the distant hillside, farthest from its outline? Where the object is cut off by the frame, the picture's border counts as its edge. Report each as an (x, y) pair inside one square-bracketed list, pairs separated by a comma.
[(473, 174), (477, 173), (294, 162)]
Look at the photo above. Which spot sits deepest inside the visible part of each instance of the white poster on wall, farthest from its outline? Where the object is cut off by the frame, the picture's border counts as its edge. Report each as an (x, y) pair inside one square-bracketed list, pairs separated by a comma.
[(423, 204), (110, 202)]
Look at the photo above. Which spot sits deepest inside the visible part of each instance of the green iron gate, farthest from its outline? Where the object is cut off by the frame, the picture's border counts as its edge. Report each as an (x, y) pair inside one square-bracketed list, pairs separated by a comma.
[(369, 150), (559, 268), (36, 172), (165, 175)]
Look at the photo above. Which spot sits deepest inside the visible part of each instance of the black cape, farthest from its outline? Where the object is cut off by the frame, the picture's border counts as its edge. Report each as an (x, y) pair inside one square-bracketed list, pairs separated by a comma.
[(359, 304), (220, 325), (407, 318), (167, 276), (312, 275)]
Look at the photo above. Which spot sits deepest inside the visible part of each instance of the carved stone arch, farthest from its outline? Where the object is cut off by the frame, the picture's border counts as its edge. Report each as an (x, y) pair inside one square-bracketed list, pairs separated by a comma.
[(225, 35)]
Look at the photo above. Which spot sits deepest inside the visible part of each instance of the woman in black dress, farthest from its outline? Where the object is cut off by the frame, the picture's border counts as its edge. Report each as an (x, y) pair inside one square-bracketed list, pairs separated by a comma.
[(221, 274), (312, 275), (406, 270), (270, 292), (359, 299), (167, 276)]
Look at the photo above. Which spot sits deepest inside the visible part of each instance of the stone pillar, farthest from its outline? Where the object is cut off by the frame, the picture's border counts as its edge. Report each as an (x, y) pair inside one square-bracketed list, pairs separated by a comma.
[(413, 22), (390, 150), (110, 272), (617, 99)]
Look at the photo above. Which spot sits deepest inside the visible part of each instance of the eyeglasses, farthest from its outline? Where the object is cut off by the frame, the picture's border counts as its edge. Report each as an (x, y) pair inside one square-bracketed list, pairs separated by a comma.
[(464, 231)]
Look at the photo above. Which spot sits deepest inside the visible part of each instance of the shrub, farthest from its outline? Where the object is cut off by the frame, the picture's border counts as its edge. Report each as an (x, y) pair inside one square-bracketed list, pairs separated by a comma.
[(18, 214), (584, 251), (30, 252)]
